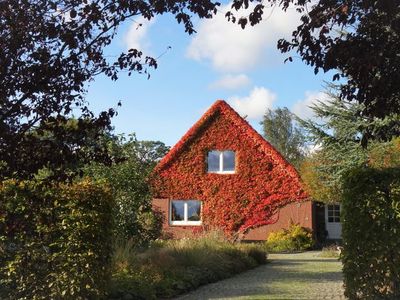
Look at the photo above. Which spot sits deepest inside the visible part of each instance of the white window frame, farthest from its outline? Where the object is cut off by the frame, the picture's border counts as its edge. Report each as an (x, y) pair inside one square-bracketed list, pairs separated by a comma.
[(336, 212), (185, 213), (221, 162)]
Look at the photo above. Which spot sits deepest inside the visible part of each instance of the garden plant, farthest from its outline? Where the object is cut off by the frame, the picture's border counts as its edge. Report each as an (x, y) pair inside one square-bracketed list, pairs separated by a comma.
[(171, 267)]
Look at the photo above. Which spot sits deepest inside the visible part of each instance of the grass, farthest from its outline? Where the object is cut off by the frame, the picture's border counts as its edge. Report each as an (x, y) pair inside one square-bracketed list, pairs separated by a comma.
[(288, 276), (299, 276), (330, 252), (169, 268)]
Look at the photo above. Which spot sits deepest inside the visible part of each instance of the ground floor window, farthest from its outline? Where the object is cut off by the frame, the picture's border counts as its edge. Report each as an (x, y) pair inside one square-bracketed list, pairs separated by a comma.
[(333, 213), (185, 212)]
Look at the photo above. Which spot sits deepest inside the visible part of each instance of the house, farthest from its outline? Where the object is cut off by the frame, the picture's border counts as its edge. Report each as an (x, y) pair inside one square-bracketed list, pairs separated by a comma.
[(223, 174)]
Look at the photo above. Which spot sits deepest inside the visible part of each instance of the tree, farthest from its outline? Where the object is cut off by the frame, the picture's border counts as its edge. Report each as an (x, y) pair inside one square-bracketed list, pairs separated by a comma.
[(52, 49), (359, 40), (133, 161), (338, 138), (49, 51), (281, 131)]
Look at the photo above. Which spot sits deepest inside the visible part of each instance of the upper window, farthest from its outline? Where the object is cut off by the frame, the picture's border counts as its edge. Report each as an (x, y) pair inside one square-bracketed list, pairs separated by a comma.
[(185, 212), (333, 213), (221, 161)]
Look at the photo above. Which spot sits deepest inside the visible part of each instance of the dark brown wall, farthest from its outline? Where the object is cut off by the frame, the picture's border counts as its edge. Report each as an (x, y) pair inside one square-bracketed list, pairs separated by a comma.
[(299, 213)]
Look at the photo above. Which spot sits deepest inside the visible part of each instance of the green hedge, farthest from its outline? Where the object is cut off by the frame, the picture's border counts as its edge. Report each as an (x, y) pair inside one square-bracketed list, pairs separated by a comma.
[(55, 240), (371, 234)]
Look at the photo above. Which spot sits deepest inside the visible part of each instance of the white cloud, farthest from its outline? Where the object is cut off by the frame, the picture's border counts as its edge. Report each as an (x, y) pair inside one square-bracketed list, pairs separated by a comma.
[(231, 82), (231, 49), (302, 108), (136, 36), (254, 105)]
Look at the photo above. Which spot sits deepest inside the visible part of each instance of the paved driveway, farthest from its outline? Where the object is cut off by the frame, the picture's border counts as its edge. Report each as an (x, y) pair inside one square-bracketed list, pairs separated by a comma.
[(287, 276)]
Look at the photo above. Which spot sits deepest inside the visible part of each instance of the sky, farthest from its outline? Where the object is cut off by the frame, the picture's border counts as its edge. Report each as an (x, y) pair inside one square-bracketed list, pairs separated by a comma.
[(220, 61)]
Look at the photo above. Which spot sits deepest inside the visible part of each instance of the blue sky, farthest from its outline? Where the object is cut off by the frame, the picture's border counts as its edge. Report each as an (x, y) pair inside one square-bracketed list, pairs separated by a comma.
[(220, 61)]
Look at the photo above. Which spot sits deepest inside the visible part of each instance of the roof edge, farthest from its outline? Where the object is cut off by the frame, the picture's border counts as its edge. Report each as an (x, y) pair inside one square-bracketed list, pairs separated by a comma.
[(190, 134), (223, 107)]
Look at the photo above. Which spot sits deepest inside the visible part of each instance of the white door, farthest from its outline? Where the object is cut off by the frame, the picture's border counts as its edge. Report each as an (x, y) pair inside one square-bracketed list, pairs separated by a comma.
[(332, 221)]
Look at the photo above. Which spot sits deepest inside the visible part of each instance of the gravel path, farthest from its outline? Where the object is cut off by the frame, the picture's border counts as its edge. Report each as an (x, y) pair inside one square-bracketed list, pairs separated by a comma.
[(287, 276)]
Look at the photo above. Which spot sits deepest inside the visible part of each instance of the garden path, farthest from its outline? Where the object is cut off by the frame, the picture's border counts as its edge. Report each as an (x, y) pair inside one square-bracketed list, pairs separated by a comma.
[(287, 276)]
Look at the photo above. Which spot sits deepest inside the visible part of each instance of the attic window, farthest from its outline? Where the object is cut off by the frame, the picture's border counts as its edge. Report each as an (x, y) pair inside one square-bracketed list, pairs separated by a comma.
[(185, 212), (221, 162)]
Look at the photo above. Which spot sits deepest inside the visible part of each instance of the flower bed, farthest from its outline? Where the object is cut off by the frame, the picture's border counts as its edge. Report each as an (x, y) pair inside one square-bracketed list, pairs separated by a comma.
[(169, 268)]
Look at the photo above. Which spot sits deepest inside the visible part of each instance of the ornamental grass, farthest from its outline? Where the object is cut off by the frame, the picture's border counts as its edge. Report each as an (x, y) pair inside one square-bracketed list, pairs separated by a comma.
[(169, 268)]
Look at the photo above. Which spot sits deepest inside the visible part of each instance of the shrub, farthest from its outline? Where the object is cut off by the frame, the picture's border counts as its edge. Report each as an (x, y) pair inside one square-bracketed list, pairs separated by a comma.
[(371, 234), (133, 161), (168, 268), (56, 239), (295, 238)]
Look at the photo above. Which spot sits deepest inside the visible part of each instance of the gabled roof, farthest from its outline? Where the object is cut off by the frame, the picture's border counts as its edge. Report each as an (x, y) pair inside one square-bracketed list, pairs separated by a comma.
[(221, 107)]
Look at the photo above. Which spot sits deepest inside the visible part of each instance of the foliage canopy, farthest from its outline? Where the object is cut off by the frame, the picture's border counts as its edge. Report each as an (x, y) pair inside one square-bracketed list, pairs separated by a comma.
[(127, 178), (280, 129), (359, 41), (338, 137), (50, 51)]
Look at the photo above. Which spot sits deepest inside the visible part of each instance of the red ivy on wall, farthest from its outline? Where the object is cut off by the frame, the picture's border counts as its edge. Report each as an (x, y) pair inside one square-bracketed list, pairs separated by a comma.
[(263, 181)]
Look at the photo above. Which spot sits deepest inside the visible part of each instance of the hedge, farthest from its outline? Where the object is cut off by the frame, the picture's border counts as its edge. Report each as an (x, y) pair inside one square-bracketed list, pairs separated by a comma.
[(371, 234), (55, 240)]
